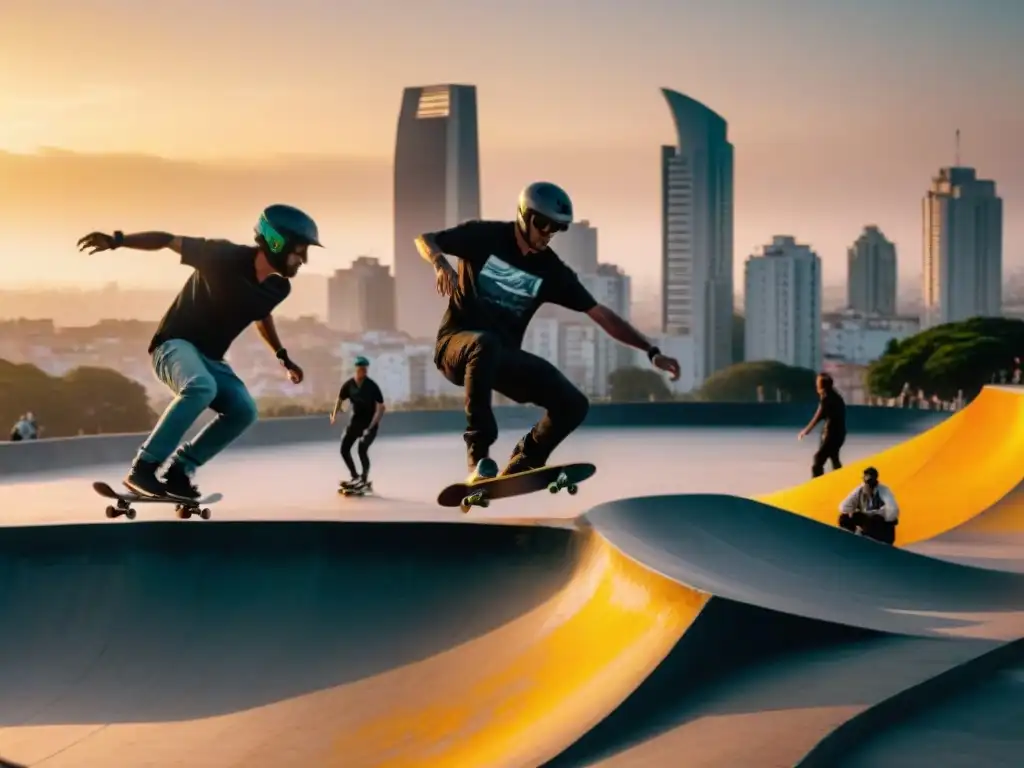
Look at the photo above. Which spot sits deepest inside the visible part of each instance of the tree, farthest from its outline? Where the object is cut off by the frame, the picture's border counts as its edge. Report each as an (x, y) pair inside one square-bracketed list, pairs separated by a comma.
[(631, 385), (739, 383), (86, 400), (949, 358)]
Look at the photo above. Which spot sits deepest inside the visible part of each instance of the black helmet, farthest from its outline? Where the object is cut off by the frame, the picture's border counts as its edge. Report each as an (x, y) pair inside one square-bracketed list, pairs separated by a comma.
[(282, 227), (547, 204)]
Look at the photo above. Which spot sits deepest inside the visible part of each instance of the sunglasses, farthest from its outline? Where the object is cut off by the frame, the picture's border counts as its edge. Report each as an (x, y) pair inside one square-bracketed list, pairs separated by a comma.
[(546, 225)]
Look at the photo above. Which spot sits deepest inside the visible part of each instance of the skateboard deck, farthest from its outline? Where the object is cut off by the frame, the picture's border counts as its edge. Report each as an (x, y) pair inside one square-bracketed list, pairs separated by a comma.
[(480, 494), (185, 509), (350, 492)]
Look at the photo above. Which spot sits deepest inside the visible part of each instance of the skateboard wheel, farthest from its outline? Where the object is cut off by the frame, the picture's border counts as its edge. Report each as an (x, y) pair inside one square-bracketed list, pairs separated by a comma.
[(184, 513), (205, 514), (485, 503), (111, 512), (130, 514), (572, 490)]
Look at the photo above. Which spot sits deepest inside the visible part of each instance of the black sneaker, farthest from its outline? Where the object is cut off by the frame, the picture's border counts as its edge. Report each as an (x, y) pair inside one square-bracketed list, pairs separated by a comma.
[(519, 462), (177, 483), (142, 479)]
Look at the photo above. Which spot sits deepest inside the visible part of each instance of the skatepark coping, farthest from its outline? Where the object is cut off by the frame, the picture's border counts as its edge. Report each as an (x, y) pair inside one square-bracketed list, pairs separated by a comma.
[(46, 455)]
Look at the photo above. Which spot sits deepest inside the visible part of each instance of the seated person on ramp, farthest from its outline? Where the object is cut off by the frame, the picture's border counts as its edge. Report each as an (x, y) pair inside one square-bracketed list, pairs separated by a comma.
[(871, 510), (231, 286), (506, 271), (367, 411)]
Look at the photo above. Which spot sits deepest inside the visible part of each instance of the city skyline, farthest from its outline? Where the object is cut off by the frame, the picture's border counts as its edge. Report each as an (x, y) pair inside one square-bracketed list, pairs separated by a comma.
[(808, 162)]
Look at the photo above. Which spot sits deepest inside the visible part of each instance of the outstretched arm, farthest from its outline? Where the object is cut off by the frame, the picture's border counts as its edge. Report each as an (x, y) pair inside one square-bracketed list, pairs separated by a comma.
[(139, 241), (622, 331)]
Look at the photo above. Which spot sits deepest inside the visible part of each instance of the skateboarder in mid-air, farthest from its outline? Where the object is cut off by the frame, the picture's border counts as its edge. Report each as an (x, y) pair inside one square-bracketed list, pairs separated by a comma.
[(367, 411), (505, 272), (871, 508), (231, 287), (831, 410)]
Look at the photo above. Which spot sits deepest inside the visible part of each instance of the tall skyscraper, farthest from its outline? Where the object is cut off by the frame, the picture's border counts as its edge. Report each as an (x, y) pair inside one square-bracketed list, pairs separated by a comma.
[(577, 247), (963, 248), (361, 298), (697, 233), (436, 185), (871, 274), (783, 304)]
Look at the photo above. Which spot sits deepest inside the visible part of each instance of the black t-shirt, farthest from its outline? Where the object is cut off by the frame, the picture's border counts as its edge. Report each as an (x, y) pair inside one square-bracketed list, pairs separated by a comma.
[(500, 287), (833, 413), (221, 297), (364, 399)]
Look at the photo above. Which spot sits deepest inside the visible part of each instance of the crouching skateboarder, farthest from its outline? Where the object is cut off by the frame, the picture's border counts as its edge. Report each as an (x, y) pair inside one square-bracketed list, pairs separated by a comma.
[(506, 271), (871, 510), (367, 411), (231, 286)]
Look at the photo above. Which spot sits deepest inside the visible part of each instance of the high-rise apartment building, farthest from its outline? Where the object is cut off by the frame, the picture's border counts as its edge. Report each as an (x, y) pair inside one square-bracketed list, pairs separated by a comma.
[(871, 274), (782, 296), (963, 248), (436, 185), (361, 298)]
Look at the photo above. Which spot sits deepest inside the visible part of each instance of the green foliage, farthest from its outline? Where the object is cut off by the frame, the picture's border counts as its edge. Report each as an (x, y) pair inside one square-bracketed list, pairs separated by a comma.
[(86, 400), (738, 383), (632, 385), (949, 358)]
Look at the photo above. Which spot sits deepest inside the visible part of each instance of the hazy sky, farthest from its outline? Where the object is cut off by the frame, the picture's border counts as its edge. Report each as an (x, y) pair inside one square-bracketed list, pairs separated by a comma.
[(840, 112)]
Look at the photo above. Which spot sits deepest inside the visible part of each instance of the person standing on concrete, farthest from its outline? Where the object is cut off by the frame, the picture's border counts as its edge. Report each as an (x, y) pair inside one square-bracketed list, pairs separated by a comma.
[(231, 287), (367, 411), (832, 411), (871, 510)]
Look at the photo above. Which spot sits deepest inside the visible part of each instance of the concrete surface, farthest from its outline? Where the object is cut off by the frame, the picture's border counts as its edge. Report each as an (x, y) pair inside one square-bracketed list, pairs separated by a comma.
[(301, 628)]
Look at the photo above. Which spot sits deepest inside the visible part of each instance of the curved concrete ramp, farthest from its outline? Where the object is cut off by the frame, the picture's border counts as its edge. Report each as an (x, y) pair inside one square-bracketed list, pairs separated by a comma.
[(754, 553), (941, 478), (223, 644)]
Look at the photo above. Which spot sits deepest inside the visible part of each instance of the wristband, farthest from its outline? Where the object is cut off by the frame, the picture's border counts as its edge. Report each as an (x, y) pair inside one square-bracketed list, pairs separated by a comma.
[(118, 239), (282, 355), (652, 353)]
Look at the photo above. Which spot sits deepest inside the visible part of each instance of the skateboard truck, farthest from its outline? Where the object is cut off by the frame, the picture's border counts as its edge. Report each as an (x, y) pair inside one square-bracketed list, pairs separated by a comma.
[(562, 481)]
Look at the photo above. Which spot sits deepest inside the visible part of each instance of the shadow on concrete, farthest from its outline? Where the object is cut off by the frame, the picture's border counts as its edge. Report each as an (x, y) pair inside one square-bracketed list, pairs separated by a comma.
[(143, 622)]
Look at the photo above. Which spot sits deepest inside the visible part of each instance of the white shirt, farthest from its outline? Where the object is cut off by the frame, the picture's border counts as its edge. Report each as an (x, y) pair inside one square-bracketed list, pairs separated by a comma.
[(855, 503)]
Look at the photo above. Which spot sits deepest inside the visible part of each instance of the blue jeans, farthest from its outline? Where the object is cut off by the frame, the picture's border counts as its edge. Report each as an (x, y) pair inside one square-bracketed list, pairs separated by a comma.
[(199, 383)]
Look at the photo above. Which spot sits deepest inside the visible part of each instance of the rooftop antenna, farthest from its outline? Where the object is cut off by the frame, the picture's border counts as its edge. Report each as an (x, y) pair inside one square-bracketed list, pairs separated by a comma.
[(956, 160)]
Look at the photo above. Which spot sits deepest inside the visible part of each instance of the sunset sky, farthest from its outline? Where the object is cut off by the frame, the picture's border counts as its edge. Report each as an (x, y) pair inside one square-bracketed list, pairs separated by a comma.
[(840, 113)]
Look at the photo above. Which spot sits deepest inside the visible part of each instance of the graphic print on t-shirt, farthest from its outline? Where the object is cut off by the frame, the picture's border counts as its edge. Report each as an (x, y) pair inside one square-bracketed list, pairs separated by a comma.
[(508, 287)]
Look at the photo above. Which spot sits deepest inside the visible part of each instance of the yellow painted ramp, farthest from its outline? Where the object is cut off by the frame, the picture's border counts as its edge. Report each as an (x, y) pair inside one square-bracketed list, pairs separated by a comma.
[(526, 692), (941, 478)]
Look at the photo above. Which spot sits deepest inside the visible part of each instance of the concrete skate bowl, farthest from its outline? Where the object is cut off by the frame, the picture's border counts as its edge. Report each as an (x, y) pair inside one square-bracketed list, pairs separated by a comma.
[(263, 643), (402, 644)]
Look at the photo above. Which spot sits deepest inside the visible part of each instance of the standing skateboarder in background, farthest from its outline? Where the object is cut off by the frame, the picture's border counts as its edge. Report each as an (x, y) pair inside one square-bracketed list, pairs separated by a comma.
[(831, 410), (367, 411), (231, 287), (506, 271)]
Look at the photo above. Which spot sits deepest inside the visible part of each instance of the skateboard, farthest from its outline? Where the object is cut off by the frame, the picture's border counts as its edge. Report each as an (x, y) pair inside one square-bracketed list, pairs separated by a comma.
[(480, 494), (185, 509), (367, 491)]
